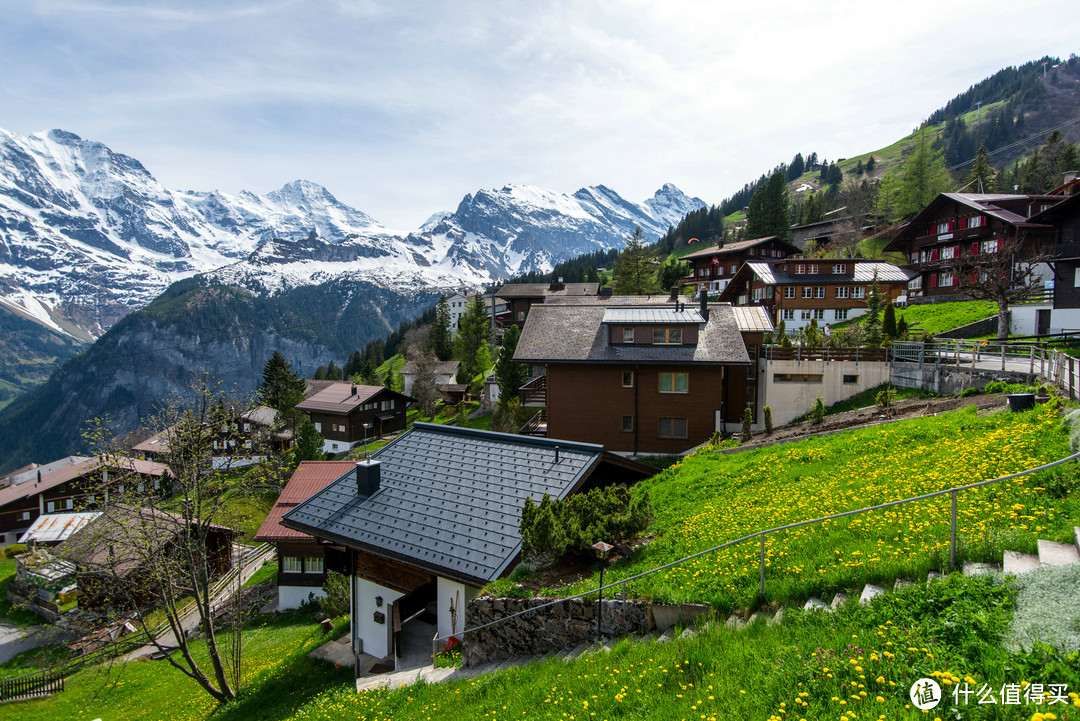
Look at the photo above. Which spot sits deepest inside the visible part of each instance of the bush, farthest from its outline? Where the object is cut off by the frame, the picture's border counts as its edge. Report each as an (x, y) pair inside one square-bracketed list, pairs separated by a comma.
[(747, 421), (818, 414), (768, 420), (13, 550), (558, 529), (885, 397), (336, 601)]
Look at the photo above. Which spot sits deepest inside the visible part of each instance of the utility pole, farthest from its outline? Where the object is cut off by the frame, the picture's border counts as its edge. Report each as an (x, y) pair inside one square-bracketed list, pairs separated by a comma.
[(978, 104)]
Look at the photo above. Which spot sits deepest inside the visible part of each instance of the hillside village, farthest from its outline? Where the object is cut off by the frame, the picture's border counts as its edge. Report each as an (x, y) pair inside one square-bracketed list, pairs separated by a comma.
[(791, 468)]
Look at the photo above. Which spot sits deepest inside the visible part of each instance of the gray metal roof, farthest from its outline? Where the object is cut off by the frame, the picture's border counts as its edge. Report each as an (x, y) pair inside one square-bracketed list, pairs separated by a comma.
[(753, 318), (567, 333), (772, 273), (450, 498), (652, 315)]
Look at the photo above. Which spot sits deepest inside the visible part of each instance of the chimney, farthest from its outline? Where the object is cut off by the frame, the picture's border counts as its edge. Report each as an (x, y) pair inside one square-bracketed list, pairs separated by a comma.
[(557, 284), (1070, 176), (368, 474), (354, 389), (605, 292), (674, 292), (705, 306)]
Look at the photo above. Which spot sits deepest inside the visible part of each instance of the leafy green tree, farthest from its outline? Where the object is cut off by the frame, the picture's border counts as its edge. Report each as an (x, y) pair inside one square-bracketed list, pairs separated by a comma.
[(769, 212), (672, 272), (924, 176), (440, 339), (281, 387), (567, 528), (982, 178), (635, 270), (474, 333), (510, 375)]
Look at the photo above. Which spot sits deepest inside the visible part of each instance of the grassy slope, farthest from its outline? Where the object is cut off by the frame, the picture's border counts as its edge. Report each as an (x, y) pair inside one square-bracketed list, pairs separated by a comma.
[(9, 612), (708, 499), (939, 317)]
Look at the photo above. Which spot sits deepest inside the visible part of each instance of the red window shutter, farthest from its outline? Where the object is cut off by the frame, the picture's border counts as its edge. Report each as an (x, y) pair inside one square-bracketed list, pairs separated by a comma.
[(933, 254), (974, 275), (975, 248), (933, 280)]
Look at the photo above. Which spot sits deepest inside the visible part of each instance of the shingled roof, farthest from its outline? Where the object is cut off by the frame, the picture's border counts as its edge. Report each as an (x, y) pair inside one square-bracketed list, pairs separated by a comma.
[(344, 398), (309, 478), (739, 246), (565, 333), (450, 499)]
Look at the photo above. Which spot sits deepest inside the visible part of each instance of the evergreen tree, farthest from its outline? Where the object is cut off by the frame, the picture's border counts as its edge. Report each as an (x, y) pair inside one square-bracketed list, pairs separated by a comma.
[(440, 337), (309, 443), (889, 190), (872, 322), (474, 333), (510, 375), (635, 270), (982, 178), (672, 272), (870, 163), (333, 373), (888, 323), (796, 168), (901, 327), (834, 177), (424, 388), (320, 374), (747, 422), (925, 176), (281, 387), (355, 364), (769, 212)]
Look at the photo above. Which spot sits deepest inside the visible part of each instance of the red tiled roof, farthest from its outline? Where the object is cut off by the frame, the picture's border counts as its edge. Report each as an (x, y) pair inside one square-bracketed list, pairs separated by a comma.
[(309, 478)]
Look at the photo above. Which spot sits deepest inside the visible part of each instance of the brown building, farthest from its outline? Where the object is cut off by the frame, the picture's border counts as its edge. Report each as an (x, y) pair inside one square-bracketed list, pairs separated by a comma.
[(246, 436), (341, 411), (639, 375), (301, 569), (800, 290), (521, 297), (957, 232), (713, 268), (69, 484)]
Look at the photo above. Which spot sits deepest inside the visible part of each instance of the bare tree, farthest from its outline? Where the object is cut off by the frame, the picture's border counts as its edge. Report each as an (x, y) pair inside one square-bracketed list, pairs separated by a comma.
[(157, 544), (1005, 272)]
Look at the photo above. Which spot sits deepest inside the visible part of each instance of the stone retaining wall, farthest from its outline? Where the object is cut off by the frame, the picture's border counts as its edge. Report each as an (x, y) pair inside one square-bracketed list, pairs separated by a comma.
[(563, 625)]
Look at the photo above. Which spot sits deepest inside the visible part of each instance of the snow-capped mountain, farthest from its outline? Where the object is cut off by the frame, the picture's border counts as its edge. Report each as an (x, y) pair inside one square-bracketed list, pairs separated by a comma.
[(87, 234)]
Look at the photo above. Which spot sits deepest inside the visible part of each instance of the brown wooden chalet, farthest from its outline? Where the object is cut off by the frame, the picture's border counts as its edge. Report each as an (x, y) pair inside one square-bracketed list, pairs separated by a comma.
[(118, 550), (70, 484), (827, 290), (714, 267), (341, 410), (254, 432), (301, 569), (1063, 253), (521, 297), (640, 375), (957, 232)]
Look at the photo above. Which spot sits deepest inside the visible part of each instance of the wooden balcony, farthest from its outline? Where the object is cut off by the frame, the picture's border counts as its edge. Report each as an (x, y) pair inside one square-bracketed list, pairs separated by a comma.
[(536, 426), (534, 393)]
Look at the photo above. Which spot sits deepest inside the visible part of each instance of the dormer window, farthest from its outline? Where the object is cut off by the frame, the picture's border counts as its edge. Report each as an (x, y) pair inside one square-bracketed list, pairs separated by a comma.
[(667, 336), (839, 269), (627, 335)]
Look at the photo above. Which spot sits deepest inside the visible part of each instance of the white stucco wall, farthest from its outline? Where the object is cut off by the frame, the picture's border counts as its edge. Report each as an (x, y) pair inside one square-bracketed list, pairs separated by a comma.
[(1023, 319), (292, 596), (791, 399), (375, 639), (459, 594), (342, 446)]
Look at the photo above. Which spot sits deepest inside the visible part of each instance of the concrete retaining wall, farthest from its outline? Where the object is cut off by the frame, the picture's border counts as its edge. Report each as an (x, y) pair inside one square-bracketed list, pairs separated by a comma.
[(563, 625), (949, 380), (978, 329)]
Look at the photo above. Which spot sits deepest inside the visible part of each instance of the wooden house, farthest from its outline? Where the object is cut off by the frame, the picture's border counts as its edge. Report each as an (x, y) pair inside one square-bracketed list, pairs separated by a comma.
[(521, 297), (346, 414), (714, 267)]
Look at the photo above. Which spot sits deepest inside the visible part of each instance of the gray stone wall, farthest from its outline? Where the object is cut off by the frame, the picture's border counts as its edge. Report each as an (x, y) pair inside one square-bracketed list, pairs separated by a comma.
[(978, 329), (563, 625), (949, 380)]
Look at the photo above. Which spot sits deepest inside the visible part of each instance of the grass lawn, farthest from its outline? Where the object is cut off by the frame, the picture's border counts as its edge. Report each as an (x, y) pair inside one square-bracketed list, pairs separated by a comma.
[(246, 512), (708, 498), (34, 660), (937, 318), (266, 573), (856, 663), (278, 678), (868, 398), (9, 612)]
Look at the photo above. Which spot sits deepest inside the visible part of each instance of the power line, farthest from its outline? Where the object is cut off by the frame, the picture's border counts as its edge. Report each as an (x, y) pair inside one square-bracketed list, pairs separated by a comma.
[(1018, 143)]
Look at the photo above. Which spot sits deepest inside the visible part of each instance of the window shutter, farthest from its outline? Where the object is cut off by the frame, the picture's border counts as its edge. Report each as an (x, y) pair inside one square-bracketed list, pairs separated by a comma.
[(975, 248), (933, 280)]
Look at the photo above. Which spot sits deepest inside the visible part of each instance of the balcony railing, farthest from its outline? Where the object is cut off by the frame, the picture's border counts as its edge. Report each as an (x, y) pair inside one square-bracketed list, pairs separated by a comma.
[(1063, 250), (536, 426), (534, 393)]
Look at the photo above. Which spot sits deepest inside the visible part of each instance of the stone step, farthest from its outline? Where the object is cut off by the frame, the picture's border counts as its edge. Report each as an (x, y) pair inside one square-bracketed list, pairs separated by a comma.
[(734, 622), (664, 637), (815, 604), (838, 601), (1018, 563), (430, 674), (777, 618), (869, 591), (1057, 554), (933, 576), (688, 632), (753, 617), (972, 568), (578, 650), (902, 583)]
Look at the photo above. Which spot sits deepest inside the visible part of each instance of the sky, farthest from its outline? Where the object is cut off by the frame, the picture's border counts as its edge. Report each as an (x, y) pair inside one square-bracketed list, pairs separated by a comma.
[(401, 108)]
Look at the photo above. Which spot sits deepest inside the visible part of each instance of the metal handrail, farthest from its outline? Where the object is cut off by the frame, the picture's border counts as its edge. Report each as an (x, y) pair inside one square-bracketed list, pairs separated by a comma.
[(761, 534)]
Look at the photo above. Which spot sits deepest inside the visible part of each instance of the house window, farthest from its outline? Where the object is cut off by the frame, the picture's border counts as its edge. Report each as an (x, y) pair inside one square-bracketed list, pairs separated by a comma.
[(667, 336), (789, 314), (804, 314), (989, 246), (291, 564), (50, 507), (672, 428), (915, 283), (819, 292), (627, 335), (839, 269), (734, 268), (842, 291), (313, 564), (387, 405), (674, 382), (318, 427), (977, 222), (25, 516), (851, 379), (819, 314), (840, 313), (797, 377), (858, 291), (945, 279), (628, 379), (333, 446), (628, 424), (91, 500), (943, 227), (120, 489), (70, 504), (812, 268), (751, 372), (789, 291), (948, 253), (247, 427), (800, 268), (807, 292)]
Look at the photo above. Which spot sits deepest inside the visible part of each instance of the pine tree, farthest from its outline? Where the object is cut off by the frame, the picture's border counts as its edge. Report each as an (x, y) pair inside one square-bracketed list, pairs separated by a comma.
[(888, 323), (309, 443), (474, 333), (870, 163), (333, 372), (769, 212), (982, 178), (281, 387), (872, 322), (888, 197), (901, 327), (635, 270), (768, 420), (925, 176), (510, 375), (439, 338), (747, 422)]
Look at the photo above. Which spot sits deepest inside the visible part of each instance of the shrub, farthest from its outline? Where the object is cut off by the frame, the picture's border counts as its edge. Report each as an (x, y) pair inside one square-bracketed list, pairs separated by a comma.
[(336, 601), (556, 529), (885, 397), (13, 550), (818, 414), (768, 420), (747, 421)]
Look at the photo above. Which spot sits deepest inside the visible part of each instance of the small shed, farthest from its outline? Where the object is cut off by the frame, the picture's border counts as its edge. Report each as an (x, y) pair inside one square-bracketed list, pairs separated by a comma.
[(40, 575)]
